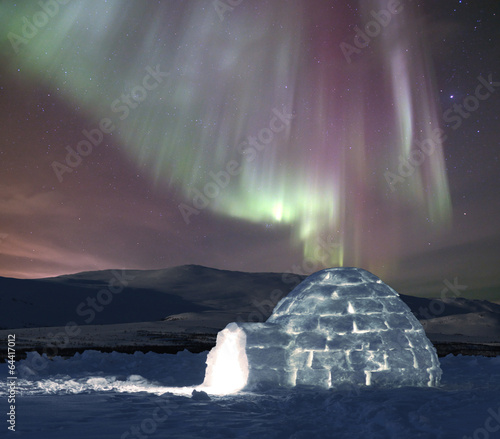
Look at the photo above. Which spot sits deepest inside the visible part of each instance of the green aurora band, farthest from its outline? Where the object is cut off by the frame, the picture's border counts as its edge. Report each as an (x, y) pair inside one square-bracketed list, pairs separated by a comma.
[(357, 117)]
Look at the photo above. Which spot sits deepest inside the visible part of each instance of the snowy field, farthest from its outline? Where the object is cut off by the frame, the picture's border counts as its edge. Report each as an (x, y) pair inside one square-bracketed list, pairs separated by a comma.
[(115, 395)]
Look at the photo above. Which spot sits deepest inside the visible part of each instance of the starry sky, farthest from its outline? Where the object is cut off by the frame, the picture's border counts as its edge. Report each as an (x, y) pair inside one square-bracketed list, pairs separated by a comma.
[(253, 135)]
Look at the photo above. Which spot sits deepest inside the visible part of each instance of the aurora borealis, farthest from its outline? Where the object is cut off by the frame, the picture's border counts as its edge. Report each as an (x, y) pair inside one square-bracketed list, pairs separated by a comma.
[(285, 135)]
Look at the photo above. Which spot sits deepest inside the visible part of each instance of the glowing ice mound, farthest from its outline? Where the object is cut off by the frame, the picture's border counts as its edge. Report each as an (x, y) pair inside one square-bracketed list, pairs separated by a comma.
[(339, 326)]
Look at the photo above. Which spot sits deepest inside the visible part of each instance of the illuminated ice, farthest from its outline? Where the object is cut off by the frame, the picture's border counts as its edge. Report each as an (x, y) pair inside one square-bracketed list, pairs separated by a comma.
[(339, 326)]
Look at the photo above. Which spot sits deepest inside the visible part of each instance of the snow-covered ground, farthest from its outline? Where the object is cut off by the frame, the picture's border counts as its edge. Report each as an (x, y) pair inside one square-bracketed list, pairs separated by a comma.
[(124, 396), (116, 395)]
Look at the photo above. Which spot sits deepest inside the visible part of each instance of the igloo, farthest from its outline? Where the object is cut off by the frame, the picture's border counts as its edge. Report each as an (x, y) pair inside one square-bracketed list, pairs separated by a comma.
[(339, 326)]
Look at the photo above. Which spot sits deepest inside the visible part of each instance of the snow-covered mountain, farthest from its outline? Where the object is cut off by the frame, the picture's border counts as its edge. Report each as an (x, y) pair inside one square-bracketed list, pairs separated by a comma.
[(127, 296), (147, 304)]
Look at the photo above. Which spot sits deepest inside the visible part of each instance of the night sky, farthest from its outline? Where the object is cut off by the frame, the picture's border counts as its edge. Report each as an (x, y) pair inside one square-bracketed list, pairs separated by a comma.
[(270, 135)]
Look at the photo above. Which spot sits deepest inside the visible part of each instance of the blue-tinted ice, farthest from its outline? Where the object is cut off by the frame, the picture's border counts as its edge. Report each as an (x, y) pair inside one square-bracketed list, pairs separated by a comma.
[(339, 326)]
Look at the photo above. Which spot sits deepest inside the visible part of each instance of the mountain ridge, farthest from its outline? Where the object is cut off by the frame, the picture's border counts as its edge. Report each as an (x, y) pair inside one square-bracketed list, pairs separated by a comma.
[(187, 294)]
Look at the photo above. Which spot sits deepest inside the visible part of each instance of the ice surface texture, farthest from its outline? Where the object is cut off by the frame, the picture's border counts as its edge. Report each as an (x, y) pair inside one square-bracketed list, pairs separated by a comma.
[(339, 326)]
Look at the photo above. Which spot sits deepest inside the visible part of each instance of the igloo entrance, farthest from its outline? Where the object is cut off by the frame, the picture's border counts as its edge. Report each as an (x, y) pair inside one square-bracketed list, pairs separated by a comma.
[(227, 363)]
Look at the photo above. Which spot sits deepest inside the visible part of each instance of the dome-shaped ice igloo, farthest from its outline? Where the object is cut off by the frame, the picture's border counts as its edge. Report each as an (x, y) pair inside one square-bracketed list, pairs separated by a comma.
[(339, 326)]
